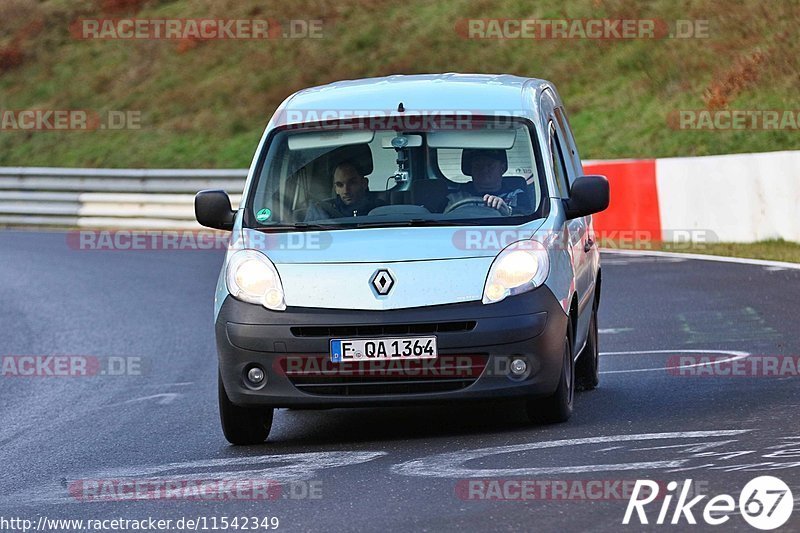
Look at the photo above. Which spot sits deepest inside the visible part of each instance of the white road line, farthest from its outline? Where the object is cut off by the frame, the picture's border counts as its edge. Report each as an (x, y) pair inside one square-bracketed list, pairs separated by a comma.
[(163, 398), (279, 467), (736, 356), (451, 465), (611, 331), (701, 257), (178, 384), (678, 351)]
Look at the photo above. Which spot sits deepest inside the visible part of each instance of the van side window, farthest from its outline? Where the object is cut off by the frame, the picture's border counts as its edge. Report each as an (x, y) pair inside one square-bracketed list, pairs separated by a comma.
[(559, 168), (571, 157)]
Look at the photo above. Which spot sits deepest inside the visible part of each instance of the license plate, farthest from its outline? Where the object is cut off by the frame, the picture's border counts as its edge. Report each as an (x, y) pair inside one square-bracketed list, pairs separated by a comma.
[(382, 349)]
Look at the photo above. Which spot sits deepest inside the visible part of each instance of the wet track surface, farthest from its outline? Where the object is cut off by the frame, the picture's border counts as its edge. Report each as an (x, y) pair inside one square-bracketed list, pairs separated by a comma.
[(403, 468)]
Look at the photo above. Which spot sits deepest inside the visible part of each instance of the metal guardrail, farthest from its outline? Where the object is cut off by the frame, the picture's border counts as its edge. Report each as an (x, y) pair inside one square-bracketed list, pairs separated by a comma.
[(109, 198)]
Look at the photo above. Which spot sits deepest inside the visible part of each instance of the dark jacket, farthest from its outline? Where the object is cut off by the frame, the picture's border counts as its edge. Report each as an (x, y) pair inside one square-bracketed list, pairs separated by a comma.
[(336, 208)]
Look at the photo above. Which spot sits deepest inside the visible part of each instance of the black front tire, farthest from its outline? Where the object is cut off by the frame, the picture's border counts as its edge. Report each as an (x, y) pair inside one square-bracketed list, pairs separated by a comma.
[(557, 407), (587, 374), (242, 425)]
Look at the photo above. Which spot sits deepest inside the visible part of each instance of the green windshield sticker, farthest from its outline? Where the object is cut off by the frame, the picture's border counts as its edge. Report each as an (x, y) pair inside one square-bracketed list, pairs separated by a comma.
[(263, 215)]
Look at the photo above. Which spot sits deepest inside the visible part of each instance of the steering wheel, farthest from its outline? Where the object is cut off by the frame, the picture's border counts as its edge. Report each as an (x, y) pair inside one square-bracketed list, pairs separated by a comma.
[(472, 200)]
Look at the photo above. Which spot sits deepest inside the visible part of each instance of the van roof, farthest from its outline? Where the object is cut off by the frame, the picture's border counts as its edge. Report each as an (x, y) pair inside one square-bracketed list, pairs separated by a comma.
[(472, 93)]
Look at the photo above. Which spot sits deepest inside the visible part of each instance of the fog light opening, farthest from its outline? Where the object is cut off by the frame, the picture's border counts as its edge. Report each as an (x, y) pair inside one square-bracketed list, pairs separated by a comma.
[(255, 376), (518, 367)]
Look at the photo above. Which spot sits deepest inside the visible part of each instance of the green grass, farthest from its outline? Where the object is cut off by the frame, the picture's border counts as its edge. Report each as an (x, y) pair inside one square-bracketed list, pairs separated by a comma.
[(205, 104), (773, 250)]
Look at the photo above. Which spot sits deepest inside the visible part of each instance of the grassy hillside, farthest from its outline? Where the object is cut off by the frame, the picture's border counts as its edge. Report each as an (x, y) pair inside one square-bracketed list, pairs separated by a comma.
[(205, 103)]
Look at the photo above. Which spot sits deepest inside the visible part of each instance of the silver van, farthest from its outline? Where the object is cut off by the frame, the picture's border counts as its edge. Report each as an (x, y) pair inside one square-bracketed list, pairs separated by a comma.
[(409, 239)]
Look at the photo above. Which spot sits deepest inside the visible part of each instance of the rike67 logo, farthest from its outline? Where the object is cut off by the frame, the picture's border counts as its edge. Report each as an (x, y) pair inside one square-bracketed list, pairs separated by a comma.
[(765, 503)]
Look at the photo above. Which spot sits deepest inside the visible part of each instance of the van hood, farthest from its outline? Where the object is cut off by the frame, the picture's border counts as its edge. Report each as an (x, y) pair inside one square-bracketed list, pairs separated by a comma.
[(372, 245), (346, 269)]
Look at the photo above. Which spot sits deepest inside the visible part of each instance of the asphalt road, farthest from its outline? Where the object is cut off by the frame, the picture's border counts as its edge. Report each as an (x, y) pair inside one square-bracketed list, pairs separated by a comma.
[(398, 468)]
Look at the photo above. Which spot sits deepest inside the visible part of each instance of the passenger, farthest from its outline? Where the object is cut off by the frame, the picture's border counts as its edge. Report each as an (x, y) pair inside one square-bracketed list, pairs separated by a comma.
[(487, 168), (352, 196)]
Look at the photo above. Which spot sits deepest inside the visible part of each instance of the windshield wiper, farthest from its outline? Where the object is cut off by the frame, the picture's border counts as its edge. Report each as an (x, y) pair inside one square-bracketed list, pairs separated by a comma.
[(314, 225), (299, 226), (414, 222), (418, 222)]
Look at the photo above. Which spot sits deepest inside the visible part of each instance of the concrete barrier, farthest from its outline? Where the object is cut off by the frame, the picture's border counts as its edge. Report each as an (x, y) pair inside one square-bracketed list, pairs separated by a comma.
[(730, 198), (740, 197)]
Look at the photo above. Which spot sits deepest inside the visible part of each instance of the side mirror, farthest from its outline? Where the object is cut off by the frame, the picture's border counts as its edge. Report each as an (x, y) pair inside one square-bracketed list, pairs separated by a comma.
[(588, 195), (212, 208)]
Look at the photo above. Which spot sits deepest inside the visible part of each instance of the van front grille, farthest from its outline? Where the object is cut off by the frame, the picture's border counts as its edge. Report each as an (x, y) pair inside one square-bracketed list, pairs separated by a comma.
[(383, 329), (319, 376)]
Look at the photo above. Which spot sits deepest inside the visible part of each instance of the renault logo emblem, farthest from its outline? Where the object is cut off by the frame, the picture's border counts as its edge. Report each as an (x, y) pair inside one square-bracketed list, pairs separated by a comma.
[(382, 281)]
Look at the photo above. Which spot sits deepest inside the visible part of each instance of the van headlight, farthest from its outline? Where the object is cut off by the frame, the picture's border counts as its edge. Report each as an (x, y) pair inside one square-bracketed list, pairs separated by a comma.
[(520, 267), (251, 277)]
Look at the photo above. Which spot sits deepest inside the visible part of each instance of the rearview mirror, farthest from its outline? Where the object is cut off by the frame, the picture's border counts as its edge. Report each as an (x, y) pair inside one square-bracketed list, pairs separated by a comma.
[(588, 195), (212, 208), (402, 141)]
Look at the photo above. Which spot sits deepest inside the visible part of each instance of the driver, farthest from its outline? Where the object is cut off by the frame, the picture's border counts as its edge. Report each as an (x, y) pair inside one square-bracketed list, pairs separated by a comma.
[(352, 195), (486, 166)]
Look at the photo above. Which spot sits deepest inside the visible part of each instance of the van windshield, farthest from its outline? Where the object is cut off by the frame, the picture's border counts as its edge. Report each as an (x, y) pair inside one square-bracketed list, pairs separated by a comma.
[(346, 175)]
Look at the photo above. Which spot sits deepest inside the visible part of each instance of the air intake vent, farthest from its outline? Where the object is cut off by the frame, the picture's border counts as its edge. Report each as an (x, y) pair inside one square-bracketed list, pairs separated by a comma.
[(380, 329)]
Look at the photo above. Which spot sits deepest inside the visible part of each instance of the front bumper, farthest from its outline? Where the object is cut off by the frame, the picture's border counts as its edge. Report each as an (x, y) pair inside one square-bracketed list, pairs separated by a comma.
[(476, 343)]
